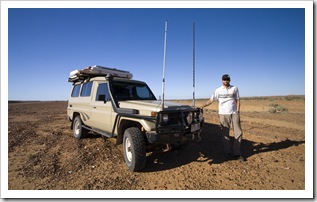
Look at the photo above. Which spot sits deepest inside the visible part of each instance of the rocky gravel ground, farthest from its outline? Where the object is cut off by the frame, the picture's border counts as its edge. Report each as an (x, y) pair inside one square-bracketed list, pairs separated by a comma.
[(44, 155)]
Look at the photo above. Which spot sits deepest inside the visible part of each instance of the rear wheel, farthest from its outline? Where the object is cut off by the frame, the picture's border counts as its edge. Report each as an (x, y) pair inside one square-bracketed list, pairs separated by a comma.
[(134, 149), (78, 130)]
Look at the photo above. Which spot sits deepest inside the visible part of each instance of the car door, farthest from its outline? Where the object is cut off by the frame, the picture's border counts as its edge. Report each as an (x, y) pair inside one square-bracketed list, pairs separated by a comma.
[(101, 108)]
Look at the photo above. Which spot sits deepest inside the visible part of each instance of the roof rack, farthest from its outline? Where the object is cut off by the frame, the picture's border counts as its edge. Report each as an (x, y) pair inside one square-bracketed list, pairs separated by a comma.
[(96, 70)]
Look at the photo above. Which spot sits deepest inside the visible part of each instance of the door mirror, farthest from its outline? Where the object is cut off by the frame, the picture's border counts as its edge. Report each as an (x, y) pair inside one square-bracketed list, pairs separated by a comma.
[(102, 98)]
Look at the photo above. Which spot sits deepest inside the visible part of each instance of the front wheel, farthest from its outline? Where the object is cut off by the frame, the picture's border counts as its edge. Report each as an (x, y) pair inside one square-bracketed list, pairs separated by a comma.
[(134, 149)]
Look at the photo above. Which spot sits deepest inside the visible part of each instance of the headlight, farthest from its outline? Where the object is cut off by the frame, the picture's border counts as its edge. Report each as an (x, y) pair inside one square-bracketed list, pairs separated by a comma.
[(201, 117), (165, 118), (189, 118)]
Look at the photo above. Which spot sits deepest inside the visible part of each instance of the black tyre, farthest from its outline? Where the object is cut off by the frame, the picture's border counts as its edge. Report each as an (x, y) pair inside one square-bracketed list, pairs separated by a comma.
[(78, 131), (134, 149)]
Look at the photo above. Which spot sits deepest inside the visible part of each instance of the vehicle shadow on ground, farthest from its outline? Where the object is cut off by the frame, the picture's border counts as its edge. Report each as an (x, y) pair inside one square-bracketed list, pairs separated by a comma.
[(209, 149)]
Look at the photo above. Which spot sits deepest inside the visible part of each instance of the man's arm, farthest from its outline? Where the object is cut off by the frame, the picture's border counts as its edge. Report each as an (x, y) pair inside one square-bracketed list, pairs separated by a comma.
[(208, 103), (238, 100), (238, 105)]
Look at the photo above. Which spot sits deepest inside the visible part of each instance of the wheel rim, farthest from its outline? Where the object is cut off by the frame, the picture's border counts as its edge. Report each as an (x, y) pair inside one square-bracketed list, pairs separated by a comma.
[(128, 151), (77, 128)]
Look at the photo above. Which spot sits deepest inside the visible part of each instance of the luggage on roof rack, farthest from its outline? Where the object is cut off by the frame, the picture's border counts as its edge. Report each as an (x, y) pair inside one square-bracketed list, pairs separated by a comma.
[(93, 71)]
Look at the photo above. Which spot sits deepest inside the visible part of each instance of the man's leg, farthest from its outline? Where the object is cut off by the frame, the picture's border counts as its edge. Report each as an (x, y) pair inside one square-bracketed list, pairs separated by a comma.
[(237, 134), (225, 121)]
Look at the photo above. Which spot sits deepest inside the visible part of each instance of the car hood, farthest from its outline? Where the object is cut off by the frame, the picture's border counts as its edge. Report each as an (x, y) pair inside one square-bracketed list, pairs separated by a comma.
[(146, 107)]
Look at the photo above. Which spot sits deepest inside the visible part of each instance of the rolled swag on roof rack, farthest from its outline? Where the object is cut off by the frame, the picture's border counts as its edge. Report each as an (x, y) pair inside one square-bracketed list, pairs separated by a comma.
[(96, 70)]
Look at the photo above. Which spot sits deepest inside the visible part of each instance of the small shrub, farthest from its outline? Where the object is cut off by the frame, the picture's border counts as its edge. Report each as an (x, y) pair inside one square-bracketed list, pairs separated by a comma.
[(273, 105), (272, 110), (276, 108)]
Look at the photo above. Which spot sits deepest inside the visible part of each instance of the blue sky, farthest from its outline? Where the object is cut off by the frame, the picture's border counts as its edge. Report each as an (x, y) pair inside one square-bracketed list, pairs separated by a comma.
[(265, 47), (262, 49)]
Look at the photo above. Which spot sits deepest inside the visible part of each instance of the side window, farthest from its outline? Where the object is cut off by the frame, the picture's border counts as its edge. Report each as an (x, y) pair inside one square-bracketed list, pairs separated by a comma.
[(103, 93), (86, 90), (76, 90)]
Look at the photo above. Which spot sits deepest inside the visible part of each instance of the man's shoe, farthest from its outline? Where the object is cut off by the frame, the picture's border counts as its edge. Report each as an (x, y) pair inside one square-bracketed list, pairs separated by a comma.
[(240, 158)]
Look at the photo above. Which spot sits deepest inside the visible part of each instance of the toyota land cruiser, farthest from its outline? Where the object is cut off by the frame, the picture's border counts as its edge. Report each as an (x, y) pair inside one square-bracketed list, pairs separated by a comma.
[(108, 102)]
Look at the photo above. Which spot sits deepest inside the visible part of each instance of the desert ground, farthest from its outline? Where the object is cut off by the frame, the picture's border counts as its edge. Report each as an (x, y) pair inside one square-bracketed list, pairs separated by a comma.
[(44, 155)]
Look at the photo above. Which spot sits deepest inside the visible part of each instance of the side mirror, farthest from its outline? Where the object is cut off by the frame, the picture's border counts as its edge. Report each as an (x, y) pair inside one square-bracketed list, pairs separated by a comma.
[(102, 98)]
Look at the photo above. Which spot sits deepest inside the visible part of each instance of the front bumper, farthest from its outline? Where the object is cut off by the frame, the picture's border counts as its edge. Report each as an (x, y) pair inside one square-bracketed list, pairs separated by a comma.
[(172, 135), (179, 127)]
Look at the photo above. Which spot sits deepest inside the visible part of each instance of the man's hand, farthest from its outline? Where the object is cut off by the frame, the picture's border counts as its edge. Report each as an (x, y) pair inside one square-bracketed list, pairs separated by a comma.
[(207, 103)]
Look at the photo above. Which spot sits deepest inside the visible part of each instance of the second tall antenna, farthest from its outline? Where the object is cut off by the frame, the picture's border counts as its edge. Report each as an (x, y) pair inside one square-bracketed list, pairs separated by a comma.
[(193, 65), (164, 64)]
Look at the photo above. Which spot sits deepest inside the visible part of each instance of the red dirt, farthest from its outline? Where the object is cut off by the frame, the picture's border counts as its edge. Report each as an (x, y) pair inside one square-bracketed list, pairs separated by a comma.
[(44, 155)]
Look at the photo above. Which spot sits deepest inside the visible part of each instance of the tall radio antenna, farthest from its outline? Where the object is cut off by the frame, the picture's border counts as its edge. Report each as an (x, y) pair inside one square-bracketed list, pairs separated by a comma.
[(193, 64), (164, 64)]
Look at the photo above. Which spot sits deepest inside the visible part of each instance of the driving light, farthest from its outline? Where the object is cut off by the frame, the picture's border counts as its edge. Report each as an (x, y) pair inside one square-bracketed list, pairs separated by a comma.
[(201, 117), (189, 118), (165, 118)]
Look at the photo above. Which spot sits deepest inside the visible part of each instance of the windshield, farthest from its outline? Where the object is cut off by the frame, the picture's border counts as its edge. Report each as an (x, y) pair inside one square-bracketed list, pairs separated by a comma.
[(131, 91)]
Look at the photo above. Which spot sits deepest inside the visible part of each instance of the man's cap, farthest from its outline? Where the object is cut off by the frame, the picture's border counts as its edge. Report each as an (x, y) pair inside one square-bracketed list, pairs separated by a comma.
[(225, 77)]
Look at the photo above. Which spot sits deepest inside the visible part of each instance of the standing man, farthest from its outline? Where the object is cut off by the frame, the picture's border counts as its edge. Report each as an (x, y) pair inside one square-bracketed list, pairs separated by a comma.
[(229, 108)]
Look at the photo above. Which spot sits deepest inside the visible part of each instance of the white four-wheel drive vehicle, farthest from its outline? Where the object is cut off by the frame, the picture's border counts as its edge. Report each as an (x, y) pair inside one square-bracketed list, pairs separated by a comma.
[(108, 102)]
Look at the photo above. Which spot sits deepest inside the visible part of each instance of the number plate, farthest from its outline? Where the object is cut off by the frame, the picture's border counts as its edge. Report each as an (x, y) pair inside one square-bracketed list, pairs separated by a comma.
[(195, 127)]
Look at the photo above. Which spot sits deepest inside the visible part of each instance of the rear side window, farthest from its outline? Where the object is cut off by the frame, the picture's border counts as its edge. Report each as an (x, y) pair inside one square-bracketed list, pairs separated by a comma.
[(76, 90), (86, 89)]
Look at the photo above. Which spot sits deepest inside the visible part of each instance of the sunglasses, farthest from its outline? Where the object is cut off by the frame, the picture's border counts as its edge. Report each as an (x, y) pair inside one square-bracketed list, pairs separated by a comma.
[(226, 79)]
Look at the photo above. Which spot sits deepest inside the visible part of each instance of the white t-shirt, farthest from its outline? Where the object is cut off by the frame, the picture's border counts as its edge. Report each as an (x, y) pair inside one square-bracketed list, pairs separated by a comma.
[(227, 99)]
